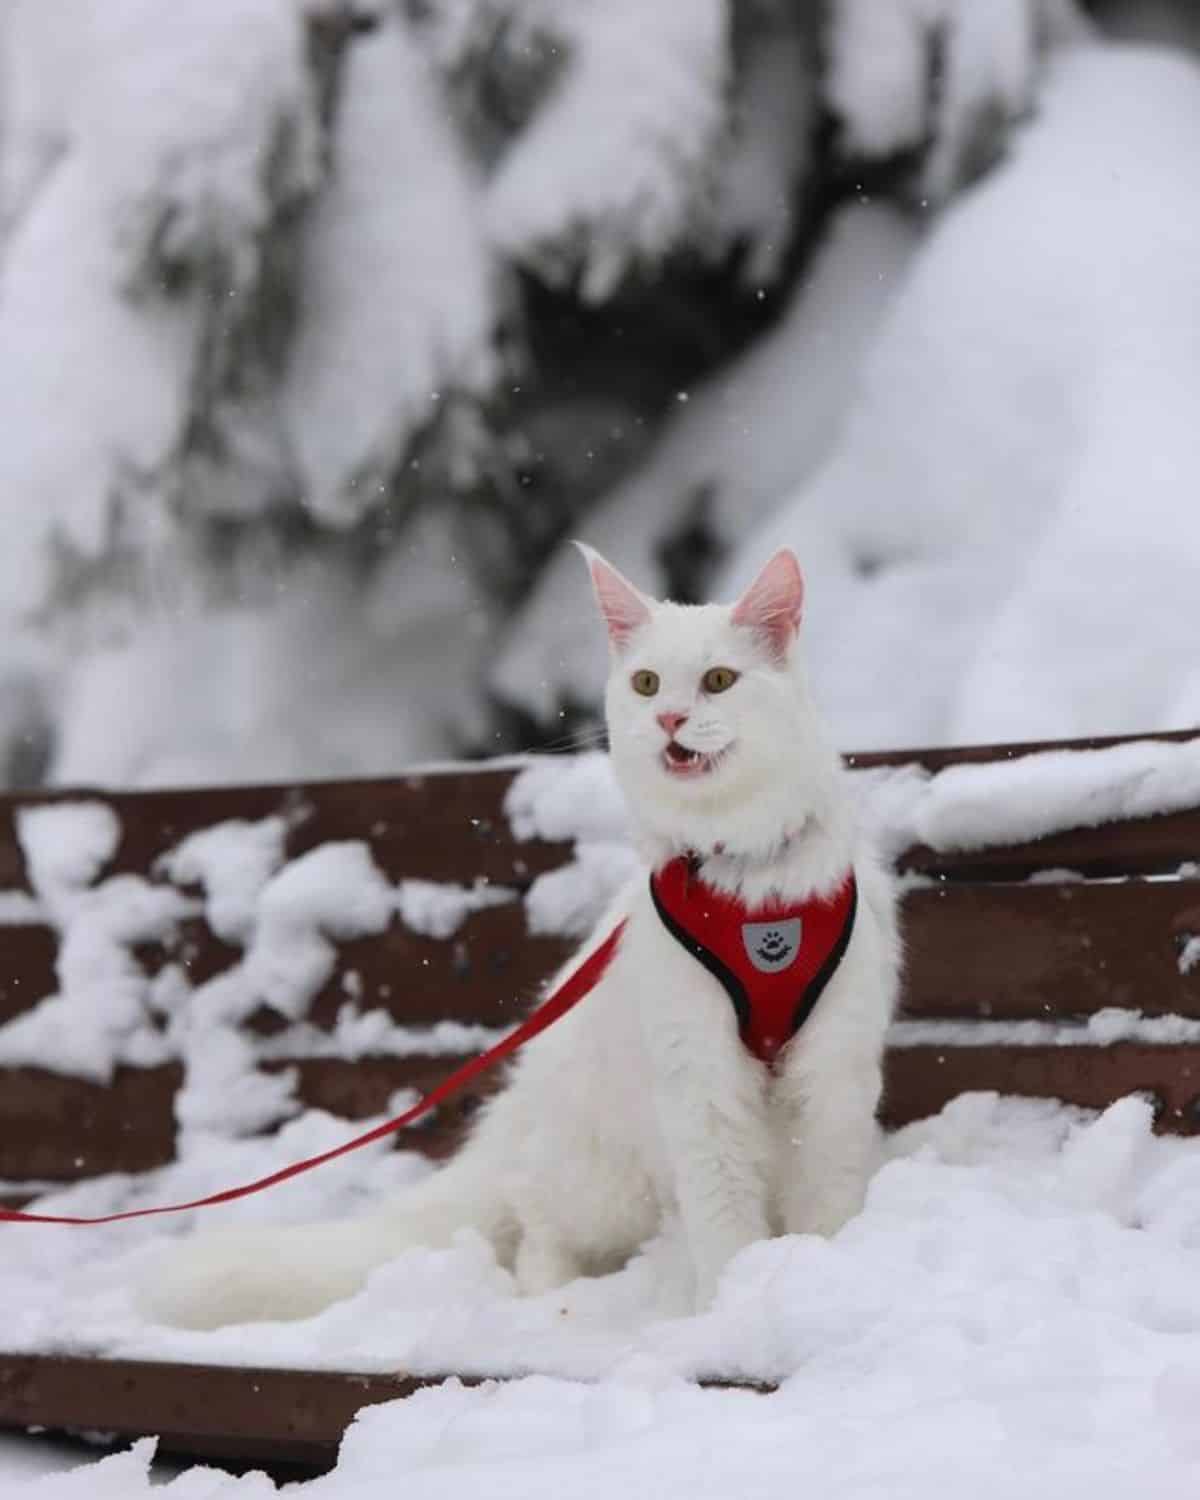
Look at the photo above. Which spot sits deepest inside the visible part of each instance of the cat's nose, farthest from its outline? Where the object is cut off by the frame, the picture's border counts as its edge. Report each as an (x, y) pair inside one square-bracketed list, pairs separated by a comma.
[(671, 722)]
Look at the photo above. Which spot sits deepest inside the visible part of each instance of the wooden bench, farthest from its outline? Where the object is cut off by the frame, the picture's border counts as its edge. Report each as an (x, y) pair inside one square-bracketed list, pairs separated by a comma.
[(985, 944)]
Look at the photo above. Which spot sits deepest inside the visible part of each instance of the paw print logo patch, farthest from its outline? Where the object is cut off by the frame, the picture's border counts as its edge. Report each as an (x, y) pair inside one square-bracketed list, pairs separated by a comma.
[(772, 946)]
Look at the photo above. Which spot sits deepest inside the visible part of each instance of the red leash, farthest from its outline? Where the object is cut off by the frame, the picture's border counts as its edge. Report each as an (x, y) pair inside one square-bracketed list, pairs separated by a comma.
[(568, 995)]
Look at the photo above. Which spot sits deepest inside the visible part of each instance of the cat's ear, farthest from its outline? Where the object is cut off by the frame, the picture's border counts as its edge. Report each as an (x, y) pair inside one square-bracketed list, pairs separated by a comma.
[(623, 607), (774, 602)]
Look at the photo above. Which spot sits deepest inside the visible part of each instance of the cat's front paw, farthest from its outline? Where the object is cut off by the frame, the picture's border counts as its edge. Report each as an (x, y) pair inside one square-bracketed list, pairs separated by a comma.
[(826, 1209), (543, 1265), (707, 1283), (709, 1267)]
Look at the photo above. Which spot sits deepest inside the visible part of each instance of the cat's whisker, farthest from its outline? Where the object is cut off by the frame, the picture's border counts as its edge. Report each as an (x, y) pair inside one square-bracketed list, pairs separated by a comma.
[(579, 739)]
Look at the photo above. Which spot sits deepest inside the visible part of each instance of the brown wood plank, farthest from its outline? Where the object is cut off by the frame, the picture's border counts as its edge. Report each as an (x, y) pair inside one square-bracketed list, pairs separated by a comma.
[(937, 758), (245, 1414), (60, 1129), (488, 972), (919, 1081), (130, 1127), (205, 1411), (365, 1086), (444, 826), (1136, 846), (27, 956), (1049, 952)]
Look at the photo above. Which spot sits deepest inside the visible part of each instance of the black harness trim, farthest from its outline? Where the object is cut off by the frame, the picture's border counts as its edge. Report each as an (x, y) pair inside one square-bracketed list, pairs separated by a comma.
[(808, 1001), (728, 980)]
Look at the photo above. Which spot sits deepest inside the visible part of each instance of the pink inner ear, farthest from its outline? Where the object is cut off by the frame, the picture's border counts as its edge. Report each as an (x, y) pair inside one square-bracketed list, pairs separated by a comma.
[(774, 602), (623, 608)]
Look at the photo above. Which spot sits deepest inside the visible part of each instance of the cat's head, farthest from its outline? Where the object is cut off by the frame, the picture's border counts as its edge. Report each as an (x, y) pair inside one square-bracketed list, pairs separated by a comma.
[(712, 734)]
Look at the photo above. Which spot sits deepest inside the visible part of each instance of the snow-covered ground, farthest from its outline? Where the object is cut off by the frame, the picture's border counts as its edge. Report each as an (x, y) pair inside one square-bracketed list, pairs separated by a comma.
[(1015, 1313)]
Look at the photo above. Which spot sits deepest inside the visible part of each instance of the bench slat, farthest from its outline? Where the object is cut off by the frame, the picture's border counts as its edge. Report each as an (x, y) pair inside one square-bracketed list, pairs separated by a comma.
[(59, 1129), (253, 1415), (996, 951), (919, 1081), (450, 826), (939, 757), (26, 968), (1137, 846), (62, 1129), (442, 826), (1049, 953)]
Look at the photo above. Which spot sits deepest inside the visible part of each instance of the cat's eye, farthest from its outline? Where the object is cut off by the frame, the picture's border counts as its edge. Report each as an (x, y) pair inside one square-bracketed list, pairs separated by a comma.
[(718, 679), (645, 682)]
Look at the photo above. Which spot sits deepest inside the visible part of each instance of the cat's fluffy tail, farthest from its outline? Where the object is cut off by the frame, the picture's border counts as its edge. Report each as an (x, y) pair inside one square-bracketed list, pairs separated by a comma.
[(280, 1274)]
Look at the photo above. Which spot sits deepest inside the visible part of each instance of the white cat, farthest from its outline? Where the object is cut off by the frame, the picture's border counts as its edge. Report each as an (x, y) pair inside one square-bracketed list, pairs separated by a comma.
[(645, 1100)]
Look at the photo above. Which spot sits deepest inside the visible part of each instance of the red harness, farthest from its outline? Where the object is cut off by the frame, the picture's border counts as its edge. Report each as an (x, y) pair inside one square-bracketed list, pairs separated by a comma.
[(773, 961)]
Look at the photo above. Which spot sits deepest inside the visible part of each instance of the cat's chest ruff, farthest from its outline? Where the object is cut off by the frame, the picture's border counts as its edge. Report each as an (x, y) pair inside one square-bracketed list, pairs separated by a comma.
[(773, 961)]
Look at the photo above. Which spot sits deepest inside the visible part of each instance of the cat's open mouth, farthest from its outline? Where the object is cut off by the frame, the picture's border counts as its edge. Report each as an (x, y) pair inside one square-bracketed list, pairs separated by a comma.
[(680, 761)]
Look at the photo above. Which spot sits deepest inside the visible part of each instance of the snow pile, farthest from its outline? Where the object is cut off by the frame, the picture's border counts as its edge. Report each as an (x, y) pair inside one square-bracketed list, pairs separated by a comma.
[(613, 165), (572, 797), (104, 1012), (198, 131), (232, 862), (770, 151), (439, 908), (988, 59), (337, 679), (333, 891), (1005, 541), (576, 800), (160, 149), (1016, 1305), (1101, 1029), (1010, 801), (398, 294), (179, 342), (66, 845)]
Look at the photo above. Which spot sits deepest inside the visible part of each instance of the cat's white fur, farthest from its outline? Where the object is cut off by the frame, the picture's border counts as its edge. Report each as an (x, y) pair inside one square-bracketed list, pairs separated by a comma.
[(643, 1102)]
